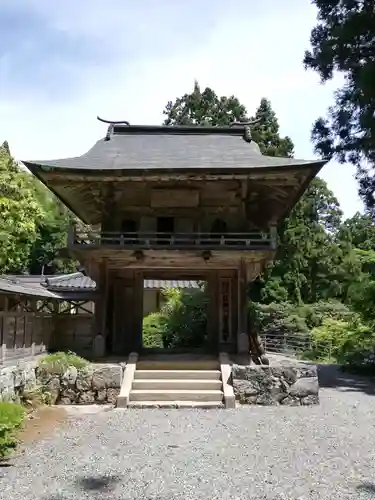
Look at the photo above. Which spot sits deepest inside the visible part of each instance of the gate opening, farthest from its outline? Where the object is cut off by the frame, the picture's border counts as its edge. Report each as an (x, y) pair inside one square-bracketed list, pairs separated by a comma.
[(174, 315)]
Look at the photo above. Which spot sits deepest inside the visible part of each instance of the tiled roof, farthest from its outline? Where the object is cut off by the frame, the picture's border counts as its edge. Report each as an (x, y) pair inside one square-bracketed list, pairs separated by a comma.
[(145, 147), (54, 285), (158, 284), (67, 282), (31, 288)]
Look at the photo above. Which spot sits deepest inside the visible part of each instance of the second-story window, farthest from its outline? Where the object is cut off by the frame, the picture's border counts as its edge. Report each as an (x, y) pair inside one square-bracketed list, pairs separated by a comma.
[(219, 228), (165, 229), (129, 231)]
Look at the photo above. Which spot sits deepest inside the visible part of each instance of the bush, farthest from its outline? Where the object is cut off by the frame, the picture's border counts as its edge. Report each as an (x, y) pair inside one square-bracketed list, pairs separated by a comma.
[(11, 419), (154, 330), (185, 312), (286, 327), (58, 362)]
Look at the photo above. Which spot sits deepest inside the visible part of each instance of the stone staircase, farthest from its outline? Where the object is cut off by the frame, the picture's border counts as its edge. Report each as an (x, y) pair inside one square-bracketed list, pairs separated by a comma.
[(173, 381)]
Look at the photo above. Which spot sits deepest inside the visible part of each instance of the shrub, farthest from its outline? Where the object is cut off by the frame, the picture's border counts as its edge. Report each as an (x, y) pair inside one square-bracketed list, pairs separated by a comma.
[(11, 419), (185, 312), (289, 328), (344, 342), (153, 330), (58, 362)]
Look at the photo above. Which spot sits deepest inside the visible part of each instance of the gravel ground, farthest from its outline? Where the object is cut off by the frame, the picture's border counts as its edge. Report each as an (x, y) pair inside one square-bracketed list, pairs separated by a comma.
[(321, 452)]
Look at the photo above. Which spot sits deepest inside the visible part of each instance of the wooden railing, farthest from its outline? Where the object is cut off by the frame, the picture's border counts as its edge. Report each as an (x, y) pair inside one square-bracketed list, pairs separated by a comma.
[(235, 241)]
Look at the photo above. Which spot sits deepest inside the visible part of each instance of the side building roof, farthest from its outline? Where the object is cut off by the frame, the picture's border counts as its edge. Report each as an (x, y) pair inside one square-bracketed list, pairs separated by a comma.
[(72, 286)]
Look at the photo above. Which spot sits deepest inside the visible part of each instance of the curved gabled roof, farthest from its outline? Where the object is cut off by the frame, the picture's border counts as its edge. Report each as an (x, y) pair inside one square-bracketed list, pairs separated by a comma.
[(145, 147)]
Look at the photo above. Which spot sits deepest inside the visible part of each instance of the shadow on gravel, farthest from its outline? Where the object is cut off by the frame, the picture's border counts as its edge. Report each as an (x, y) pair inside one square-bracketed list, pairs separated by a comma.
[(332, 376), (97, 483), (94, 486), (367, 488)]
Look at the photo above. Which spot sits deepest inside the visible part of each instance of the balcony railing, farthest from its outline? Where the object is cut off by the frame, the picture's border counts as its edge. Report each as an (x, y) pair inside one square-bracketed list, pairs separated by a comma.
[(182, 241)]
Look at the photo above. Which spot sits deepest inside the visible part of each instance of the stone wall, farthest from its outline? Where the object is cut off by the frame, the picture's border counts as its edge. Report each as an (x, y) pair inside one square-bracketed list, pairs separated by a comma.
[(96, 383), (289, 383)]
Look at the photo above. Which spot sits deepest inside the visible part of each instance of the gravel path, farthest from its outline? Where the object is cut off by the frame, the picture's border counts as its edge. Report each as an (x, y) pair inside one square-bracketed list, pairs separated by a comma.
[(322, 452)]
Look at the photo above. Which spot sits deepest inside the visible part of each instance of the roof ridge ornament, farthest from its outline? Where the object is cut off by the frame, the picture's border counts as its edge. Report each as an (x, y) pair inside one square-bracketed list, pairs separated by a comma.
[(111, 126), (121, 122), (247, 130)]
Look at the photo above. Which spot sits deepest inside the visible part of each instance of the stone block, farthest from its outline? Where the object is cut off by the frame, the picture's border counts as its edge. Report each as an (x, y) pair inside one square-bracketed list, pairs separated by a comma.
[(84, 379), (107, 377), (288, 382), (69, 378), (307, 386), (98, 346), (310, 400), (112, 395), (101, 396), (86, 398), (68, 393)]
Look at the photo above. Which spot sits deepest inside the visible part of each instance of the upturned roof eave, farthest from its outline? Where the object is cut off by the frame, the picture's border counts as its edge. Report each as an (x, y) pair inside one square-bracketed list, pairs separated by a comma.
[(37, 168)]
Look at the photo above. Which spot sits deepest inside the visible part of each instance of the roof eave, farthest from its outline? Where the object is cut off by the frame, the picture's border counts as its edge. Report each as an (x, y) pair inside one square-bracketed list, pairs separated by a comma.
[(315, 169), (36, 169)]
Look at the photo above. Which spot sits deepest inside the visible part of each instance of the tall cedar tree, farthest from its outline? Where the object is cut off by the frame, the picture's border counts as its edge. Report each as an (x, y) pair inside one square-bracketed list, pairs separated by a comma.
[(344, 41)]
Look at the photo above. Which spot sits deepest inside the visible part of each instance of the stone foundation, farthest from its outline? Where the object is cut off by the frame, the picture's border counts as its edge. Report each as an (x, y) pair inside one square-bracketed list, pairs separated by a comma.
[(290, 383), (96, 383)]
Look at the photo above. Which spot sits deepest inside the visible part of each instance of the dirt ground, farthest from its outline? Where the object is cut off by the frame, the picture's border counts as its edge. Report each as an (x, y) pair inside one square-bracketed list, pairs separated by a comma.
[(41, 423)]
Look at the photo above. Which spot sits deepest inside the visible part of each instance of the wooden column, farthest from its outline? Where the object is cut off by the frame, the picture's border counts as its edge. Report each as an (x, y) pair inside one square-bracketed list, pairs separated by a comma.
[(137, 312), (212, 312), (242, 335), (98, 272), (4, 331)]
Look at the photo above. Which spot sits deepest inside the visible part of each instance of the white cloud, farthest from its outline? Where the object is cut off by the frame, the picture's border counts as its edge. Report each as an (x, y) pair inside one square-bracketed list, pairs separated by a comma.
[(251, 52)]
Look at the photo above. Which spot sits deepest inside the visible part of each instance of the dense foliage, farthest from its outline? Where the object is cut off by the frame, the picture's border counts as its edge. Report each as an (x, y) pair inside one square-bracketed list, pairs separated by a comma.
[(343, 41), (33, 223), (181, 322), (11, 420)]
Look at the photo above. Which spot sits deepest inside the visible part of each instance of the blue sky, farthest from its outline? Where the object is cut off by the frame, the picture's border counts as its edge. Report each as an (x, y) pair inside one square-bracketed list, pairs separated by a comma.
[(63, 63)]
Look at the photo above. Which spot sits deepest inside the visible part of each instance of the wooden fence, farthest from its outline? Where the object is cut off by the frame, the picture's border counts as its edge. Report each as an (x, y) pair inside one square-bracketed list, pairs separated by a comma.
[(28, 330)]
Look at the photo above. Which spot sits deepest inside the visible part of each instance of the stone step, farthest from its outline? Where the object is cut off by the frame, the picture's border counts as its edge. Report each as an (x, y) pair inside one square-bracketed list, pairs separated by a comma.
[(175, 404), (178, 374), (186, 384), (176, 395), (178, 365)]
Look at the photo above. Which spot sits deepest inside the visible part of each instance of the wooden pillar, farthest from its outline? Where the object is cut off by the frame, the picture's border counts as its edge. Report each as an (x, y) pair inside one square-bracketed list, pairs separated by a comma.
[(4, 331), (212, 312), (98, 273), (137, 311), (242, 335)]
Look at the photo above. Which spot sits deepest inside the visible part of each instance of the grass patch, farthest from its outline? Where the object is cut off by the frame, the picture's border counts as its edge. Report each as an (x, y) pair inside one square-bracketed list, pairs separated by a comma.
[(11, 420), (58, 362)]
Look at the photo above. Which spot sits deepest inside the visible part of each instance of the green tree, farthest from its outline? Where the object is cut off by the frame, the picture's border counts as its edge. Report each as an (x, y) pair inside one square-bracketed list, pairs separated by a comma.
[(343, 42), (310, 263), (359, 231), (20, 213), (204, 108), (267, 132), (52, 229)]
